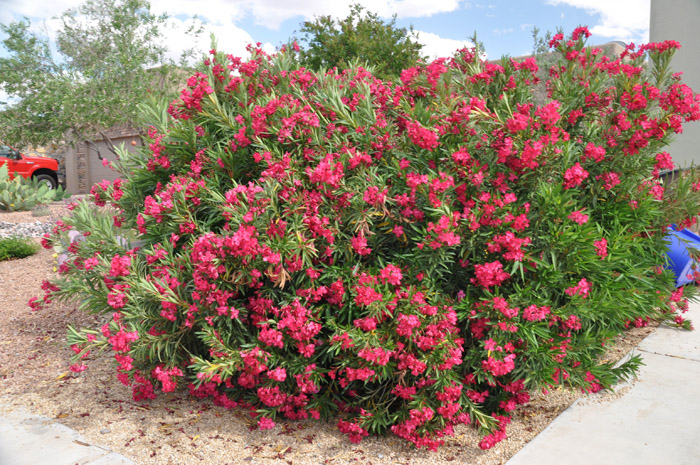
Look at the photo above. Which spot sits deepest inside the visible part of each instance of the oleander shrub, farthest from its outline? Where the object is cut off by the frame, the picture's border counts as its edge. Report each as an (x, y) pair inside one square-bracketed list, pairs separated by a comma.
[(17, 247), (402, 256)]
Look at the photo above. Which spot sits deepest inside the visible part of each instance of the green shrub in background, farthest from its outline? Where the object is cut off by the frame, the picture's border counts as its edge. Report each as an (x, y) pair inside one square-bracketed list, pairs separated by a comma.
[(403, 256), (17, 247), (20, 194)]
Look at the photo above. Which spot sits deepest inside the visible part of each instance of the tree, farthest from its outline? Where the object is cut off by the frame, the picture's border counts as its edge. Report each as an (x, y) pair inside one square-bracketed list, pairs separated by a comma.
[(110, 54), (546, 58), (363, 37)]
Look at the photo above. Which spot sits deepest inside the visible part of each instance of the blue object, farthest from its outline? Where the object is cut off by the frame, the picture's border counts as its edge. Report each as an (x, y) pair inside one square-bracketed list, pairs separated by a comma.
[(679, 260)]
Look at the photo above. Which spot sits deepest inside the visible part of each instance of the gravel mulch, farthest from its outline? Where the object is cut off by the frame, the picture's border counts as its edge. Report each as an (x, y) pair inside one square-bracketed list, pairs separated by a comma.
[(34, 223), (177, 429)]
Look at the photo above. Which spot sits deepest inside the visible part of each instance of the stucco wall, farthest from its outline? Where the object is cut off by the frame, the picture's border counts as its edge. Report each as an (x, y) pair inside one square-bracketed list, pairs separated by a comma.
[(84, 168), (678, 20)]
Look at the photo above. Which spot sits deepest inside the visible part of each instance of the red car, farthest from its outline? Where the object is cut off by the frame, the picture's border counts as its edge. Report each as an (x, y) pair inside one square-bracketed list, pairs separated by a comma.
[(44, 170)]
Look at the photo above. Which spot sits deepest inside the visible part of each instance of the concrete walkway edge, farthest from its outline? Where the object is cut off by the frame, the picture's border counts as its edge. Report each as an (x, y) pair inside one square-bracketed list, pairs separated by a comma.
[(653, 420), (27, 439)]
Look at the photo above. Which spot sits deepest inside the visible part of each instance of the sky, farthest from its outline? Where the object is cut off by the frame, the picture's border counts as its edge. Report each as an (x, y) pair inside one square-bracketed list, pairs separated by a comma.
[(503, 26)]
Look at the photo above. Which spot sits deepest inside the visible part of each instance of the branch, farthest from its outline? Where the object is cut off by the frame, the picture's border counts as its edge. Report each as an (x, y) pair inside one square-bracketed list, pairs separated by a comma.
[(110, 145)]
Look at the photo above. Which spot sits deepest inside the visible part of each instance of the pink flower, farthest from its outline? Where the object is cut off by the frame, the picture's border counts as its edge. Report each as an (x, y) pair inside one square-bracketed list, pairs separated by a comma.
[(574, 176), (271, 337), (594, 152), (374, 196), (578, 217), (354, 431), (422, 137), (610, 179), (327, 171), (120, 266), (634, 101), (366, 295), (91, 263), (677, 295), (116, 300), (359, 244), (406, 324), (499, 367), (490, 274), (582, 289), (166, 377), (580, 31), (664, 161), (549, 114), (512, 245), (78, 367), (500, 304), (535, 313), (278, 374), (377, 355), (657, 191), (271, 396), (346, 340), (265, 423), (391, 274), (121, 341), (358, 374), (601, 248), (404, 392), (554, 42), (519, 122), (365, 324)]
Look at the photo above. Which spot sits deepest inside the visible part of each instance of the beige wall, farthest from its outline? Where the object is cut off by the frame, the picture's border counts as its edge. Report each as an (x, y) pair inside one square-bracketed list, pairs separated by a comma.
[(83, 168), (679, 20)]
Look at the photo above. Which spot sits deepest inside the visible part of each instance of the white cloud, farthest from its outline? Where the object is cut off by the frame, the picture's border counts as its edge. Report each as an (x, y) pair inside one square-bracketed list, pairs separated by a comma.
[(15, 9), (503, 31), (625, 20), (230, 39), (435, 46), (271, 13)]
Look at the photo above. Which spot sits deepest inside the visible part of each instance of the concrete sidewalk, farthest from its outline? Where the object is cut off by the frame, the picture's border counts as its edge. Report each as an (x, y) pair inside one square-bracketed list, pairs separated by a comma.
[(655, 420), (27, 439)]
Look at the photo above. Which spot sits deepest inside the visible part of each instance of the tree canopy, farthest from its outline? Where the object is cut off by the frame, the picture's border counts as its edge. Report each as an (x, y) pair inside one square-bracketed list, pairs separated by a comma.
[(362, 36), (109, 54)]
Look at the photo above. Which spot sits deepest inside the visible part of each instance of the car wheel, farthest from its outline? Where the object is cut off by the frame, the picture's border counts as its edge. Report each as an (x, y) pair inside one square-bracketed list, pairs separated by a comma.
[(46, 179)]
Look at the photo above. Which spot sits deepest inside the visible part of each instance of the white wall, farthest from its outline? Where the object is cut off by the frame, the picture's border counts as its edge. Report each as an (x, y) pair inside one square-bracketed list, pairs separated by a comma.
[(680, 20)]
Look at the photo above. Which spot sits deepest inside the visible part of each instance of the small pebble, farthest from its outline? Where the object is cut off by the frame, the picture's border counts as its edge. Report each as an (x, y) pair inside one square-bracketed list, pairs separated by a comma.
[(380, 456), (35, 229), (105, 431)]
